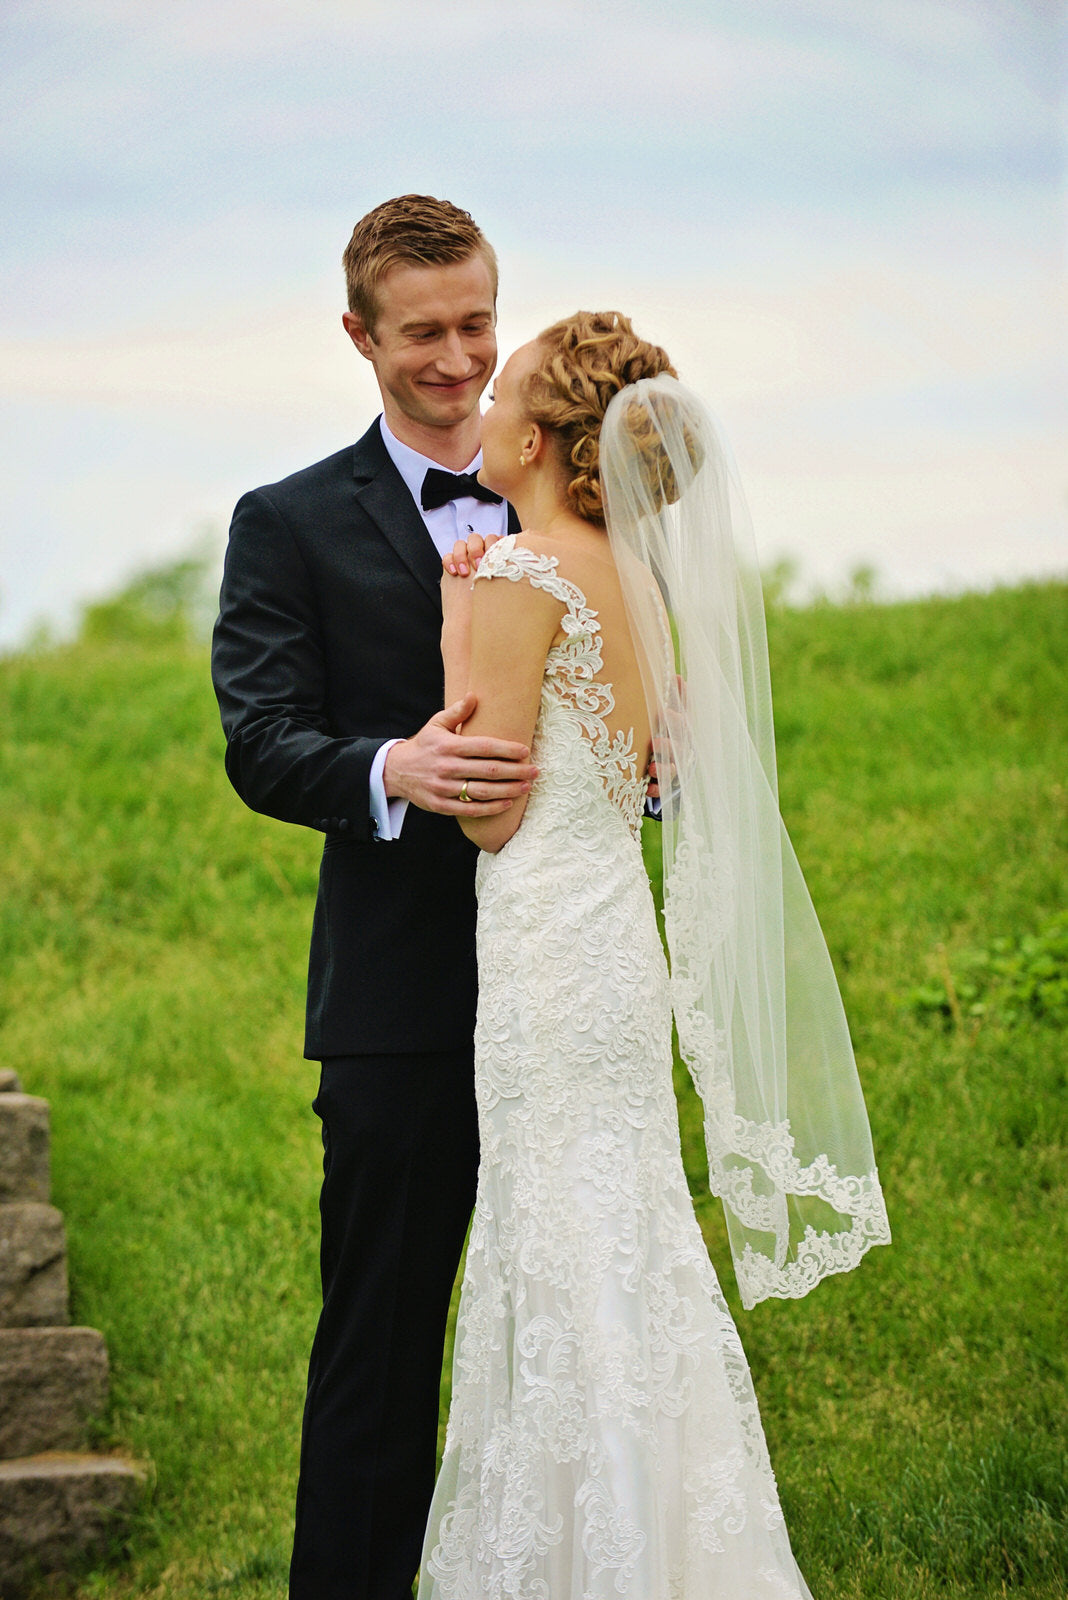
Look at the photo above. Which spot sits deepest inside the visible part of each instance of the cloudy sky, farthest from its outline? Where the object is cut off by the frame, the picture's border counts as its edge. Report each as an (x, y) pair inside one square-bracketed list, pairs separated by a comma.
[(844, 219)]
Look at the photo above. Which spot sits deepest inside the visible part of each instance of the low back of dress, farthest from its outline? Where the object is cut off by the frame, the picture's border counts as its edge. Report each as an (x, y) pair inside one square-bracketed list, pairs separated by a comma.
[(577, 735)]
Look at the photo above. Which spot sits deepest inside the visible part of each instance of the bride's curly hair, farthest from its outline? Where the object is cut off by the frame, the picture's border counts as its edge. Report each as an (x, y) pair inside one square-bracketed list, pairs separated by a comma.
[(586, 360)]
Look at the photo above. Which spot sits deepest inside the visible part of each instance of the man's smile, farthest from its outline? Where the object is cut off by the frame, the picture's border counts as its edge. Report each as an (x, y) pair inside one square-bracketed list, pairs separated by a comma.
[(449, 383)]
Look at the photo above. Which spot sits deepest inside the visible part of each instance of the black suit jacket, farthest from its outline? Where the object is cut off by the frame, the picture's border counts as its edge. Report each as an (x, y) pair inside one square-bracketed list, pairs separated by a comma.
[(327, 644)]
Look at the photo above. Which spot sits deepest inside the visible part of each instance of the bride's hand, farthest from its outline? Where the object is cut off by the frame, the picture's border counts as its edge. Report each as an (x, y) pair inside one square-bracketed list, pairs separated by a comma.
[(465, 555)]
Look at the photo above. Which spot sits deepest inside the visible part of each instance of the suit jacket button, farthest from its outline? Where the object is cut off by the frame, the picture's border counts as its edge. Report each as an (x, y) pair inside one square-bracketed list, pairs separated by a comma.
[(343, 824)]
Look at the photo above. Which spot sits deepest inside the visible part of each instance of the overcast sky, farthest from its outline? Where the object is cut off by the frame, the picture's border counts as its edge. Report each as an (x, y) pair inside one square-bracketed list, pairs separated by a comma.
[(844, 218)]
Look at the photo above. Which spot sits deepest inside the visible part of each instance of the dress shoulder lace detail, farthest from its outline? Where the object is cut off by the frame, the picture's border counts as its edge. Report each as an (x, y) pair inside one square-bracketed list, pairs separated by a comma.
[(510, 559), (571, 669)]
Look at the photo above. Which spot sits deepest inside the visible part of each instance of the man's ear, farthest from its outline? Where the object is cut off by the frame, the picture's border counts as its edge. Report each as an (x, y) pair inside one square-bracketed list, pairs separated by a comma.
[(354, 326)]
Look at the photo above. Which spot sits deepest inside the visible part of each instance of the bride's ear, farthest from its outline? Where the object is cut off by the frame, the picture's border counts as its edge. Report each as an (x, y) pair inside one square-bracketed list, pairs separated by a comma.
[(535, 444)]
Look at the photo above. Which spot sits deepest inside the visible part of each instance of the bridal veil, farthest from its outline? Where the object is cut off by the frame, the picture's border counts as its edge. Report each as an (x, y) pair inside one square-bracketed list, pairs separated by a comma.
[(760, 1020)]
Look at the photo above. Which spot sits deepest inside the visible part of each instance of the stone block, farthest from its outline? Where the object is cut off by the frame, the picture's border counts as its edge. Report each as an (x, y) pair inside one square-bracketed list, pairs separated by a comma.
[(24, 1147), (57, 1511), (52, 1381), (33, 1266), (9, 1081)]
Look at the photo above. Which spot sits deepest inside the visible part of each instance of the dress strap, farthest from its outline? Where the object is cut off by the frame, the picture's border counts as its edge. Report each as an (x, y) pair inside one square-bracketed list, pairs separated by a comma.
[(507, 559)]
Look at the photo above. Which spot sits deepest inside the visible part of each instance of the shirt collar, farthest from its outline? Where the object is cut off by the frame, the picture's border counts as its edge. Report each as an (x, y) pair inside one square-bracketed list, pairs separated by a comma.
[(411, 465)]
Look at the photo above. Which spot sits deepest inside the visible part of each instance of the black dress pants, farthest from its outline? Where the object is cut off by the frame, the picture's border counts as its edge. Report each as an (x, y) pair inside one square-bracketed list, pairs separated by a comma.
[(400, 1160)]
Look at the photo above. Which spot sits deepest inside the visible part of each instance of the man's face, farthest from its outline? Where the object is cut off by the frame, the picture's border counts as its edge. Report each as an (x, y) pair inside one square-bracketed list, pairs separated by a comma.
[(434, 346)]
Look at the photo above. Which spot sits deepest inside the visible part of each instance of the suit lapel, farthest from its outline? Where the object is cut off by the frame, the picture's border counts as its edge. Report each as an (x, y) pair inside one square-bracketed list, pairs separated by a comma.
[(383, 495)]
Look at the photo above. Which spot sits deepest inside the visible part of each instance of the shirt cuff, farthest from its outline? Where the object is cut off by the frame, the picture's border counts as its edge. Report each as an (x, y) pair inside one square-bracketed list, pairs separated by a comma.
[(387, 816)]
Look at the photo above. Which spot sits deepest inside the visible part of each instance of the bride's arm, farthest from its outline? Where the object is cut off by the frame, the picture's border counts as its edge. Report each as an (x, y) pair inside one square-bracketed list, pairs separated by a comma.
[(494, 641)]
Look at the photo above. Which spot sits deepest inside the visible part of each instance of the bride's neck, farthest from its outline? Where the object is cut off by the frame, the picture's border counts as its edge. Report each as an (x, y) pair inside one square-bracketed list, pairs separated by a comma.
[(540, 506)]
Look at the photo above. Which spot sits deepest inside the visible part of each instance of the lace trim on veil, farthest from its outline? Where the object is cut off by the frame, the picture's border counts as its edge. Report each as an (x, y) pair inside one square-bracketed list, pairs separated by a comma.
[(759, 1016)]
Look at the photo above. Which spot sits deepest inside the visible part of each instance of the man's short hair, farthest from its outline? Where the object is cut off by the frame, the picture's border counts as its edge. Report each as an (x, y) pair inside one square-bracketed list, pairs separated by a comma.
[(414, 230)]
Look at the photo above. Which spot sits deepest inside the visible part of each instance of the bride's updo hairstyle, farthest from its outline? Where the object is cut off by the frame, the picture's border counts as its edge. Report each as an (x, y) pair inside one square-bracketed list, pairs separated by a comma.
[(586, 360)]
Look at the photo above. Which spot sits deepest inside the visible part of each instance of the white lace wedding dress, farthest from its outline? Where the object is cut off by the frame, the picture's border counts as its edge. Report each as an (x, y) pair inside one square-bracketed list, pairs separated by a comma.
[(604, 1438)]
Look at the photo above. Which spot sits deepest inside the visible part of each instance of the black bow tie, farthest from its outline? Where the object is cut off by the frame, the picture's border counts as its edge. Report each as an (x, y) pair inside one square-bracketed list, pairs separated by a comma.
[(440, 487)]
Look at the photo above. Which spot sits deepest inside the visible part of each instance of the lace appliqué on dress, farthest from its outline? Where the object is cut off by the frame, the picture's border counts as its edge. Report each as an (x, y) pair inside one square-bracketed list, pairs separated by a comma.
[(571, 670)]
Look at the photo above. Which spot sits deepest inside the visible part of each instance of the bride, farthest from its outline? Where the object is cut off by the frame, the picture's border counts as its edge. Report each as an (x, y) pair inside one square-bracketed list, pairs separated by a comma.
[(604, 1438)]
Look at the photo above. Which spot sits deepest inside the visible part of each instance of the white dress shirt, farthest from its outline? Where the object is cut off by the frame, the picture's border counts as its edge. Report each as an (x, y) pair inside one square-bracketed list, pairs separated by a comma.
[(445, 524)]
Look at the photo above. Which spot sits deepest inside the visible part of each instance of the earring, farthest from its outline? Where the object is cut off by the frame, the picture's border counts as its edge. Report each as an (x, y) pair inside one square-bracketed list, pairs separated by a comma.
[(522, 461)]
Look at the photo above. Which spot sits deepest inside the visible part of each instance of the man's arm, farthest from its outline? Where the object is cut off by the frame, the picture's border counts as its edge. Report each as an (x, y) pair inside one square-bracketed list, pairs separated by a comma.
[(270, 679), (269, 676)]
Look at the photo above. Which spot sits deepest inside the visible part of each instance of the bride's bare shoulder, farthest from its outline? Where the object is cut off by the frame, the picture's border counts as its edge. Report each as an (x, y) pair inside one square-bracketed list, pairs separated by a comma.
[(542, 544), (585, 547)]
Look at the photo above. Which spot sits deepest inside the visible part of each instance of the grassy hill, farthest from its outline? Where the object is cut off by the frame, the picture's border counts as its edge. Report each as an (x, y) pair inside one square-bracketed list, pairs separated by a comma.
[(154, 937)]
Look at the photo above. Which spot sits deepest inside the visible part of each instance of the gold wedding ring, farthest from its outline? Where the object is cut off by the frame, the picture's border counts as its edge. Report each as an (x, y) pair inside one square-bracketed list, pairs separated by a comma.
[(463, 795)]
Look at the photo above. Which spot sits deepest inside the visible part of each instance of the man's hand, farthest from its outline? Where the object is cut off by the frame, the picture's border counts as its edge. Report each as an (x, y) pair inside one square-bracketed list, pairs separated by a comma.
[(662, 770), (431, 768), (466, 554)]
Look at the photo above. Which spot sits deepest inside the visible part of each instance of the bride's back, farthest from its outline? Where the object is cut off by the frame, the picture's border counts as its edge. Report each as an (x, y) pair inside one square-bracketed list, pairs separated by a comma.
[(584, 560)]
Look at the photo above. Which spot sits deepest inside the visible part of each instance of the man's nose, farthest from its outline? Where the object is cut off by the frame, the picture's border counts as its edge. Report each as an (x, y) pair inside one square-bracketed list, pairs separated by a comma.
[(453, 359)]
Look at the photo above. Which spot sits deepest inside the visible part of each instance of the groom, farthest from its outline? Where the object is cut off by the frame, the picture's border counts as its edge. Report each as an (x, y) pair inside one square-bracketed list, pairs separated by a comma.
[(327, 668)]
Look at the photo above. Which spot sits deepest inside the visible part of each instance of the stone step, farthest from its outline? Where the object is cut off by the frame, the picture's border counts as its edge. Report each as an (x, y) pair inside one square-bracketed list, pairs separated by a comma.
[(33, 1266), (58, 1510), (52, 1381), (24, 1147), (9, 1081)]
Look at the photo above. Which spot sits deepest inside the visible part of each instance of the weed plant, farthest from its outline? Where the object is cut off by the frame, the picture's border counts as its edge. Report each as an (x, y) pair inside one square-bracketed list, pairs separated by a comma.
[(153, 940)]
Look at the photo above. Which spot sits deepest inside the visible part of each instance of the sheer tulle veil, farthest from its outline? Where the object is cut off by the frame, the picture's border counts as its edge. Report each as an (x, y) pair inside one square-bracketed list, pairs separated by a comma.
[(759, 1016)]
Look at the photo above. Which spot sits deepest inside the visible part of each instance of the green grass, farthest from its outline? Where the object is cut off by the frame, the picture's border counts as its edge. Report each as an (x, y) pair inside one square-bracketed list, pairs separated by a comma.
[(154, 940)]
